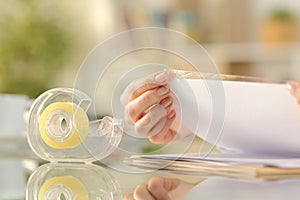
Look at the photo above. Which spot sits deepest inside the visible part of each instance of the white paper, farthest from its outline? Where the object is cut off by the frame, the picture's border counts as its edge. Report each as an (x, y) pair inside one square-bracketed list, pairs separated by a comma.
[(230, 159), (227, 189), (259, 117)]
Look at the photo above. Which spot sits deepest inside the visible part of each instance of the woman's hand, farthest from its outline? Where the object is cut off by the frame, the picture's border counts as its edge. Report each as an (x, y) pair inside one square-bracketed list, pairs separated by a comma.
[(149, 106), (160, 188)]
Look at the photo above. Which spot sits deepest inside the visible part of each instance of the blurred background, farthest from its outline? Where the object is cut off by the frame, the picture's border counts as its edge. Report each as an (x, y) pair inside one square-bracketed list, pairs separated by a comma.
[(43, 43)]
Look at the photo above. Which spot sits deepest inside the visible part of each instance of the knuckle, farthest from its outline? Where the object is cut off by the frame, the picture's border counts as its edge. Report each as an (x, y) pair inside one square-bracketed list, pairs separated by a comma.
[(131, 113), (158, 111), (149, 97), (140, 190), (132, 90), (155, 183), (123, 100), (133, 87)]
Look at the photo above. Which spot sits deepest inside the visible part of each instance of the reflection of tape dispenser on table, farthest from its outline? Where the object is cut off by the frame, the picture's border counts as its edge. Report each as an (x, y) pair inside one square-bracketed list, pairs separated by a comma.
[(72, 181), (62, 129)]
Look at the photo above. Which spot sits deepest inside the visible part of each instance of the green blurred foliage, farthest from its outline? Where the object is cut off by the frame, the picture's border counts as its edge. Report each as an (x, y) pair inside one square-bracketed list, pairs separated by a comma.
[(33, 48), (282, 14)]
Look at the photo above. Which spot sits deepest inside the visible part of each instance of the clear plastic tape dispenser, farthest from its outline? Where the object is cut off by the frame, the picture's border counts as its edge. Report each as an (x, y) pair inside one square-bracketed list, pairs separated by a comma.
[(60, 129), (72, 181)]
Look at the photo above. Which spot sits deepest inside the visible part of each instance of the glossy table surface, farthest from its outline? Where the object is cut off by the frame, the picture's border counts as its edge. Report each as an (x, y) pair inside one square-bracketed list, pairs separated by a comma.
[(24, 175)]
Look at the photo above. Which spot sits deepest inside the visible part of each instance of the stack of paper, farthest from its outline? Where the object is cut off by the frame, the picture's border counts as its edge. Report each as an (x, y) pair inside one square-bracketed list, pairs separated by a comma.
[(220, 164)]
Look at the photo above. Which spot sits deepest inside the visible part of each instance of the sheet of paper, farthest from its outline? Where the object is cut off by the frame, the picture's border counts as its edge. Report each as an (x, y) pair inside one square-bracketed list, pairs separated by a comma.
[(224, 165), (230, 158), (228, 189), (243, 116)]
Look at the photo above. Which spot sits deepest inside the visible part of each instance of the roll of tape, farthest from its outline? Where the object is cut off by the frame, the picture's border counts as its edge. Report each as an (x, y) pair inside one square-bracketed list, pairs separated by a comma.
[(63, 125), (67, 186)]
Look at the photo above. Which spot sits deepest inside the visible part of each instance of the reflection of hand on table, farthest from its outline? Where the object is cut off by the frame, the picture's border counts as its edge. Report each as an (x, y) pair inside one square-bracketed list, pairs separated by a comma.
[(160, 188)]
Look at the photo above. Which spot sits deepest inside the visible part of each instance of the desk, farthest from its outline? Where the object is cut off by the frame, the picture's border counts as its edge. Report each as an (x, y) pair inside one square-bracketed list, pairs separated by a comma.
[(96, 179)]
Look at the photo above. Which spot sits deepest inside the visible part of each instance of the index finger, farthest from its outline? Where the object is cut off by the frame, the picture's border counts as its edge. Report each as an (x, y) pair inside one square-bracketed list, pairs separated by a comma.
[(138, 87)]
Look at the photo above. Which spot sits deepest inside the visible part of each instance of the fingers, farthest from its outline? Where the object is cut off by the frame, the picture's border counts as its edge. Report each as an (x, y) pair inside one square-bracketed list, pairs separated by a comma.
[(160, 187), (138, 87), (142, 193), (164, 133), (150, 120), (148, 106), (136, 108), (156, 122)]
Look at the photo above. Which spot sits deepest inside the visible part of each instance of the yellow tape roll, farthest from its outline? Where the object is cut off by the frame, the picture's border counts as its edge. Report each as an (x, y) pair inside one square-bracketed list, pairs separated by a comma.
[(63, 125), (68, 186)]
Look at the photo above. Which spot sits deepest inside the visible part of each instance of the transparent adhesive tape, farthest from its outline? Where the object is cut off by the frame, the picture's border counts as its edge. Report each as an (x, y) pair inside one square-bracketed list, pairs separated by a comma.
[(60, 128)]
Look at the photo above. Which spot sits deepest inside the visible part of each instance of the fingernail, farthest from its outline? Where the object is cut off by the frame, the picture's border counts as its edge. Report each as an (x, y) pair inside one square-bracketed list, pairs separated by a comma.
[(162, 91), (166, 102), (171, 114), (161, 77)]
